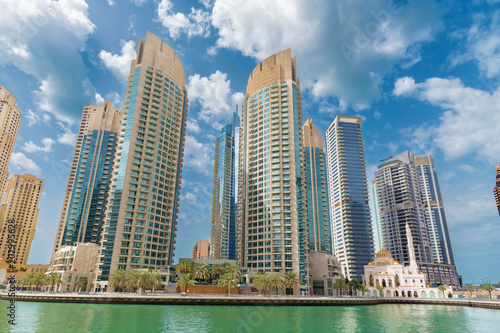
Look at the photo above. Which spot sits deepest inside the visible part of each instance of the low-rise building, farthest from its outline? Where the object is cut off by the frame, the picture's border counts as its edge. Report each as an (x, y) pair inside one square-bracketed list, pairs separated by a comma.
[(76, 265), (324, 269)]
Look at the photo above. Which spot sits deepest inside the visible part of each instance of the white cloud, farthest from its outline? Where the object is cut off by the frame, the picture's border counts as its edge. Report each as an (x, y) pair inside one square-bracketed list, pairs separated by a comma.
[(31, 147), (483, 44), (21, 162), (67, 138), (344, 49), (119, 64), (470, 123), (44, 39), (98, 99), (111, 2), (198, 155), (31, 117), (214, 94), (192, 126), (196, 23), (139, 2)]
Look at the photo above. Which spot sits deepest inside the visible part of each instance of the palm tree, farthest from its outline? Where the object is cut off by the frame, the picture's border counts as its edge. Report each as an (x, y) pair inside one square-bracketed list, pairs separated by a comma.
[(200, 271), (186, 280), (380, 288), (232, 270), (216, 270), (277, 281), (488, 287), (26, 281), (339, 285), (291, 280), (362, 288), (118, 280), (184, 266), (144, 280), (133, 279), (354, 284), (37, 279), (228, 281), (261, 281), (442, 288), (470, 288), (155, 279), (53, 279)]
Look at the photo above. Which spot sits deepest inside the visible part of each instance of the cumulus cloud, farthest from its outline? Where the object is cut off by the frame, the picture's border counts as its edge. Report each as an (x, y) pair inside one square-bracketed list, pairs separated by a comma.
[(119, 64), (343, 49), (34, 118), (470, 123), (67, 138), (31, 147), (44, 39), (215, 97), (23, 163), (196, 23), (483, 44), (198, 155)]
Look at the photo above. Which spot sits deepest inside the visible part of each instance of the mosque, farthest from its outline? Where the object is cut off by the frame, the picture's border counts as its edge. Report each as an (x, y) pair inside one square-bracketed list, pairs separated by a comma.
[(398, 280)]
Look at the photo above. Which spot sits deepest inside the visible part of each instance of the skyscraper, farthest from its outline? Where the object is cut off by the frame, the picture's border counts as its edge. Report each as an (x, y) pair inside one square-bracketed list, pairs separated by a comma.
[(435, 218), (87, 111), (22, 195), (348, 192), (10, 118), (496, 189), (318, 214), (398, 203), (272, 218), (141, 214), (87, 201), (223, 235)]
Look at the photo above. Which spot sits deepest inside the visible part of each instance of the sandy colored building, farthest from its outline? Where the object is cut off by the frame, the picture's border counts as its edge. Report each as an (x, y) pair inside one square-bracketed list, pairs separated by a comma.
[(19, 271), (142, 210), (22, 195), (10, 118), (201, 250), (272, 207), (324, 269), (496, 189)]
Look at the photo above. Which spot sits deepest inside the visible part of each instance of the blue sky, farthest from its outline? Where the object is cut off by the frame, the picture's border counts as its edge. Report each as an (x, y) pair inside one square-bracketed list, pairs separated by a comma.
[(422, 74)]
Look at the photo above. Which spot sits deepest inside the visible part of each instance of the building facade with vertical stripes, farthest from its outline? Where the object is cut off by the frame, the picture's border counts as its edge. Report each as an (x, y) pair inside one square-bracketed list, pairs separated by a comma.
[(318, 213), (348, 192), (142, 210), (87, 202), (272, 207)]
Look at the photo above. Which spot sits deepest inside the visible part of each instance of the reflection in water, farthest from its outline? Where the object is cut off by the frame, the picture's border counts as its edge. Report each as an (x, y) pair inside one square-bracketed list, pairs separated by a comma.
[(58, 317)]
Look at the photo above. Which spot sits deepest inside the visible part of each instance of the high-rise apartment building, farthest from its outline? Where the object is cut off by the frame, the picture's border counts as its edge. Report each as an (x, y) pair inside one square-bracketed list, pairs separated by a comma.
[(223, 235), (435, 218), (141, 214), (86, 206), (272, 210), (348, 192), (22, 195), (318, 214), (398, 202), (10, 118), (201, 250), (84, 123), (496, 189)]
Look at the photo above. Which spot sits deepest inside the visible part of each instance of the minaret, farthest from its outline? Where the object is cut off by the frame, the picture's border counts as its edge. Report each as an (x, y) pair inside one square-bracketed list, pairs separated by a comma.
[(411, 251)]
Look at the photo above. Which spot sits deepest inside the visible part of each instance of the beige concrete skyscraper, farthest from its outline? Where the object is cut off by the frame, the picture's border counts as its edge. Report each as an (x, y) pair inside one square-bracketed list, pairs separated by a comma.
[(22, 195), (141, 214), (84, 209), (272, 218), (84, 123), (10, 118)]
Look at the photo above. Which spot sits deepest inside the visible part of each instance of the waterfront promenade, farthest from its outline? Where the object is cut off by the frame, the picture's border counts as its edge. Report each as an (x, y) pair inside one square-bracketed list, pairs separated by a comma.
[(197, 299)]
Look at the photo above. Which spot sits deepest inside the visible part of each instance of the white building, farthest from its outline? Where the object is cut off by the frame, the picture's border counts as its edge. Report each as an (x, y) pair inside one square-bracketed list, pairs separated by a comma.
[(399, 280)]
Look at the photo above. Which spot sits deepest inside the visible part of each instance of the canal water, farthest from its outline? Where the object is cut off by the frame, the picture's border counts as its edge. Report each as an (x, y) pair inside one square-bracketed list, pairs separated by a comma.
[(61, 317)]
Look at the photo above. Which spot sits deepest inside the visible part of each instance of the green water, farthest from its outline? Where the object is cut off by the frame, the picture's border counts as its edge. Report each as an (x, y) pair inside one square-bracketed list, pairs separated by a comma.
[(60, 317)]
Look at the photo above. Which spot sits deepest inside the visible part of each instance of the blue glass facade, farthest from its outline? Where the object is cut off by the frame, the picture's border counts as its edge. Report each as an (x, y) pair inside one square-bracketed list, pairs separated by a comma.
[(349, 209), (86, 215), (223, 236)]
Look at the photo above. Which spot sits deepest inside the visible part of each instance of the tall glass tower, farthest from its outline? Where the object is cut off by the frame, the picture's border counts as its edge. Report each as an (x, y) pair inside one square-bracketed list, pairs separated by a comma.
[(223, 236), (272, 220), (348, 190), (435, 217), (398, 202), (93, 172), (318, 214), (142, 209)]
